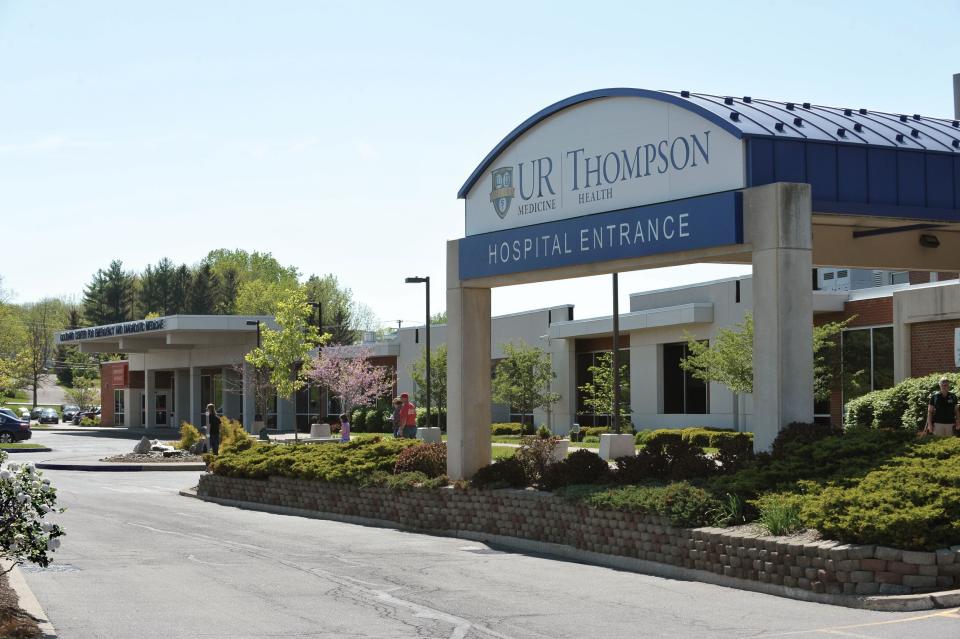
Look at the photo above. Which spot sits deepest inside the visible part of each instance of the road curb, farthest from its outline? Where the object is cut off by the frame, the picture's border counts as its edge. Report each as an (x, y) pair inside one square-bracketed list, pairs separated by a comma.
[(887, 603), (27, 450), (120, 467), (27, 600)]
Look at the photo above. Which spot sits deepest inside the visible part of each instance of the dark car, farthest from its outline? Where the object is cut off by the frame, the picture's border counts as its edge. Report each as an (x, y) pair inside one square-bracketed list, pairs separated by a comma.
[(48, 416), (35, 412), (92, 413), (68, 411), (13, 430)]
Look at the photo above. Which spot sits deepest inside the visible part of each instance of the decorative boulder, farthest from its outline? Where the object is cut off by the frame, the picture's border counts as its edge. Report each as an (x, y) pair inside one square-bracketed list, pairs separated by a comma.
[(199, 448), (143, 446)]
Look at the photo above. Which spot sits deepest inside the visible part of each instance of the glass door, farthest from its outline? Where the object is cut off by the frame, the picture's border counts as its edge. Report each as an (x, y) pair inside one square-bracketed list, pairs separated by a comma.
[(161, 411)]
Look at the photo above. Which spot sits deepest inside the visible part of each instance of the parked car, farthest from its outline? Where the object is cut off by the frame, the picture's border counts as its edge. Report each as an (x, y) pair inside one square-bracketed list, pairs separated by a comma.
[(13, 429), (9, 411), (92, 413), (68, 411), (48, 416), (25, 414), (35, 413)]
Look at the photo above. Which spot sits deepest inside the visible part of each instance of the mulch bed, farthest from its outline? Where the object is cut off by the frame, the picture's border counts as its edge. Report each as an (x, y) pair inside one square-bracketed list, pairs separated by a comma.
[(14, 622), (153, 458)]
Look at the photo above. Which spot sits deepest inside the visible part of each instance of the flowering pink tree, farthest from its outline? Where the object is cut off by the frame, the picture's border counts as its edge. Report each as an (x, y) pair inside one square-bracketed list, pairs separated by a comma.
[(346, 371)]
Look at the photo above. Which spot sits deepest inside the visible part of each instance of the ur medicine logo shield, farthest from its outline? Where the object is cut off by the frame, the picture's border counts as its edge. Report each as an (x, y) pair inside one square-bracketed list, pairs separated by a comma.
[(502, 191)]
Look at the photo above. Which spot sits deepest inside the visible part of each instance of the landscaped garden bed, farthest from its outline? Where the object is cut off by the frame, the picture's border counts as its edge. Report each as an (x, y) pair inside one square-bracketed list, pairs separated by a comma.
[(868, 511)]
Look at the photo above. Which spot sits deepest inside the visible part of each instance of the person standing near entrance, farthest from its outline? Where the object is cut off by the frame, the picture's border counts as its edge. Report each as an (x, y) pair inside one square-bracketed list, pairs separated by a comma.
[(943, 412), (213, 428), (408, 417)]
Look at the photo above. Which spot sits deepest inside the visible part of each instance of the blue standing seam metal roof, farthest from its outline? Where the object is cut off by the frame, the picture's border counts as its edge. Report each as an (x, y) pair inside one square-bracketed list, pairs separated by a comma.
[(754, 117)]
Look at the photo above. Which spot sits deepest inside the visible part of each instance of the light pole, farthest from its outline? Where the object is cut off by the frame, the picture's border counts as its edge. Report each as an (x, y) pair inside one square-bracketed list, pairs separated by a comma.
[(256, 373), (425, 280), (616, 355), (257, 323)]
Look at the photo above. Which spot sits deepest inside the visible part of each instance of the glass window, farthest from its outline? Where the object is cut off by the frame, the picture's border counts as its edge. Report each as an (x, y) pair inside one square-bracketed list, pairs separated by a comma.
[(117, 407), (867, 361), (683, 394), (586, 415)]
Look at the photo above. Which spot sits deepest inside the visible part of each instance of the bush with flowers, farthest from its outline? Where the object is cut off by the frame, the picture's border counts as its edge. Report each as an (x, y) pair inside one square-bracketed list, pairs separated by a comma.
[(26, 498)]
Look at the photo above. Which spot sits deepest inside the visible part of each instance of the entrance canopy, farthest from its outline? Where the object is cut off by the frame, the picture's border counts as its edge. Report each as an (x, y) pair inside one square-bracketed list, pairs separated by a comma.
[(172, 333), (871, 173)]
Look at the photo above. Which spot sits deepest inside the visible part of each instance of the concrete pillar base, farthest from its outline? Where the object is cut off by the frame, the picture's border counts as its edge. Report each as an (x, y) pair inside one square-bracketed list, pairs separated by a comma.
[(613, 446), (429, 435)]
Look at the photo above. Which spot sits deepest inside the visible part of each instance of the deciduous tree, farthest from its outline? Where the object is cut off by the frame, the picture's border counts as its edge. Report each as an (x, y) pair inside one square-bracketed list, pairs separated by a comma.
[(348, 373), (522, 379)]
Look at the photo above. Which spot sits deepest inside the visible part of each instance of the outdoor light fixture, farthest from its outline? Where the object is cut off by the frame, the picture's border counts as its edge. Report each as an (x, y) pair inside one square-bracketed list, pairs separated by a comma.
[(929, 241), (257, 324), (425, 280)]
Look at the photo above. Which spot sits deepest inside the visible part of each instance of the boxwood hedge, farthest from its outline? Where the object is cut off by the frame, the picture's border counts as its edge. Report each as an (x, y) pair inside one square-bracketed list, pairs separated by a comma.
[(903, 406)]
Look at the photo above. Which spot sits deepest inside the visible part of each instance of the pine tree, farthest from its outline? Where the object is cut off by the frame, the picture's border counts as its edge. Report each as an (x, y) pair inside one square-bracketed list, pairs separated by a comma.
[(118, 293), (180, 290), (228, 291), (94, 299), (203, 295)]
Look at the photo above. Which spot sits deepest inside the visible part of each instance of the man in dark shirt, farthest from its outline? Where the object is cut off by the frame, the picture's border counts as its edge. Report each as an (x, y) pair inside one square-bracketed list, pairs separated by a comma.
[(942, 411)]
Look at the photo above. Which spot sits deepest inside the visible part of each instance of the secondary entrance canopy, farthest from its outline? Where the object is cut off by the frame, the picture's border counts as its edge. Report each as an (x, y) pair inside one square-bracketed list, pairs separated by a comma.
[(623, 179)]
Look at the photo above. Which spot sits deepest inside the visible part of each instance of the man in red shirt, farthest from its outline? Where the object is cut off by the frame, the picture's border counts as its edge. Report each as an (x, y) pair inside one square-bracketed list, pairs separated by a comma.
[(408, 417)]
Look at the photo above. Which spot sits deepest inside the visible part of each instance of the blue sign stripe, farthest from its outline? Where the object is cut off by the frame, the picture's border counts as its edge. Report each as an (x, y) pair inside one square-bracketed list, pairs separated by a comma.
[(682, 225)]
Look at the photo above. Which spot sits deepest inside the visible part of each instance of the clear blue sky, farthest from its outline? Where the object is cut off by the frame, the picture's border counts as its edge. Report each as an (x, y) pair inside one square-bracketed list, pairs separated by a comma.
[(336, 135)]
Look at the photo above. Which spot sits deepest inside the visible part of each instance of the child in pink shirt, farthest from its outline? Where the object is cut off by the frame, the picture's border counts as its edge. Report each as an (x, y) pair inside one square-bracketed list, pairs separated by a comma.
[(344, 428)]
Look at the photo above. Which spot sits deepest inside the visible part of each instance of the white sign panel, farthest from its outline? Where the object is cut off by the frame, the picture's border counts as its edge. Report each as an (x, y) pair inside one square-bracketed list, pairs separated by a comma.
[(956, 347), (603, 155)]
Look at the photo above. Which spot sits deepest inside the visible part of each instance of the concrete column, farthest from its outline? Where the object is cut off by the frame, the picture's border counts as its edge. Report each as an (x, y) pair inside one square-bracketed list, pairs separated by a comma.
[(645, 386), (150, 391), (902, 353), (194, 409), (232, 400), (131, 408), (564, 359), (286, 414), (249, 398), (777, 223), (468, 373), (181, 388)]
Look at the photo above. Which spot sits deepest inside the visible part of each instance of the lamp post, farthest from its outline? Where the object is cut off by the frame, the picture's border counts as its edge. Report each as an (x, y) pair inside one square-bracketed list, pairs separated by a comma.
[(256, 373), (616, 355), (425, 280)]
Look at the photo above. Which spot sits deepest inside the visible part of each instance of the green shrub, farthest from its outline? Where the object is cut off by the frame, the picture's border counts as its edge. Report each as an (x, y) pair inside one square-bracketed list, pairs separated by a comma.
[(506, 429), (684, 504), (232, 435), (438, 416), (374, 421), (534, 455), (189, 435), (912, 501), (429, 459), (780, 513), (579, 467), (734, 451), (406, 481), (903, 406), (643, 466), (358, 420), (594, 431), (351, 462), (799, 433), (505, 473), (731, 511), (90, 421), (544, 433)]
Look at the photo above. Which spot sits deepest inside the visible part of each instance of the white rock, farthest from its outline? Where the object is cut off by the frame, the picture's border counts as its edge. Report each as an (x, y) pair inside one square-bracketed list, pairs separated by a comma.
[(143, 446)]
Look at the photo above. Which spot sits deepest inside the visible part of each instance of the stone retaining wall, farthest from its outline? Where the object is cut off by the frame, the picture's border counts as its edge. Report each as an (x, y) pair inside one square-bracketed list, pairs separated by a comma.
[(821, 567)]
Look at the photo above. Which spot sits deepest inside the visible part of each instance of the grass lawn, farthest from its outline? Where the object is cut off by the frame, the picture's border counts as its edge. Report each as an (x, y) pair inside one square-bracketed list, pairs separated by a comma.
[(21, 445), (502, 452)]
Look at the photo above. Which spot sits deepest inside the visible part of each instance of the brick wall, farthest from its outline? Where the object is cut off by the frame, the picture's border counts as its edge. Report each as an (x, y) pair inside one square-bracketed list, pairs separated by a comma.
[(931, 347), (823, 567), (113, 376)]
